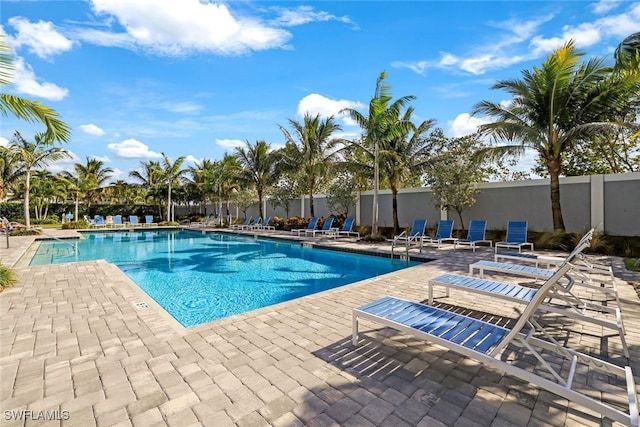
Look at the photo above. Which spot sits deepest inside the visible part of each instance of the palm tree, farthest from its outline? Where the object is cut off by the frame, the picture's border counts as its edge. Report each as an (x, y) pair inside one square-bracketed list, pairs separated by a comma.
[(10, 171), (32, 155), (380, 125), (122, 192), (260, 167), (199, 173), (311, 150), (223, 176), (94, 175), (627, 54), (553, 107), (77, 186), (31, 111), (170, 175)]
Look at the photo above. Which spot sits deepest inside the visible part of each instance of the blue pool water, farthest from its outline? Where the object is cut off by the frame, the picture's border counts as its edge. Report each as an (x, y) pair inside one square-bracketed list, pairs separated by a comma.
[(200, 277)]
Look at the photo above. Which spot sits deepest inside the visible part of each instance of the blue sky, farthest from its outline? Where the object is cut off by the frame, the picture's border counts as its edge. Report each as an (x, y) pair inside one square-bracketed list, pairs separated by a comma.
[(135, 78)]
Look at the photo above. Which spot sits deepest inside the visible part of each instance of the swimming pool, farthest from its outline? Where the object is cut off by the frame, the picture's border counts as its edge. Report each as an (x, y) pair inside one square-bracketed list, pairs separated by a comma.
[(200, 277)]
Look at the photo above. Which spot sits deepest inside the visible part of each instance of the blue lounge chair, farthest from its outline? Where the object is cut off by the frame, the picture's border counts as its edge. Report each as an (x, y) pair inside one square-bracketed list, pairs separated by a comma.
[(313, 222), (346, 230), (516, 236), (508, 350), (265, 224), (413, 237), (89, 221), (117, 221), (133, 220), (148, 220), (326, 228), (99, 221), (443, 233), (254, 223), (246, 222), (475, 235)]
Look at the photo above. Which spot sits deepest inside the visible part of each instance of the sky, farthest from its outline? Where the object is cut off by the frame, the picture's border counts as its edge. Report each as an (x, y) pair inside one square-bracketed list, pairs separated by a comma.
[(196, 78)]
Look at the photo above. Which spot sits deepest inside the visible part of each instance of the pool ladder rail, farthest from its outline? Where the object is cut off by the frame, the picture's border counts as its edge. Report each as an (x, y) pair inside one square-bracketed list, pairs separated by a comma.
[(57, 239)]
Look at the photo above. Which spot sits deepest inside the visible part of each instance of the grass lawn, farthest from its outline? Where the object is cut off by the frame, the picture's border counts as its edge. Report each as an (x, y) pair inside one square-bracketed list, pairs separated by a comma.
[(630, 263)]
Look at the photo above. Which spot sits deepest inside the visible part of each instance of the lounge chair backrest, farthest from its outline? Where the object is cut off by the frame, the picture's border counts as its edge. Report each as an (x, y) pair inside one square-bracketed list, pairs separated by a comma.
[(533, 305), (477, 230), (445, 228), (266, 221), (98, 219), (117, 219), (327, 224), (148, 219), (417, 229), (133, 219), (516, 232), (348, 224), (312, 223), (257, 221), (247, 220)]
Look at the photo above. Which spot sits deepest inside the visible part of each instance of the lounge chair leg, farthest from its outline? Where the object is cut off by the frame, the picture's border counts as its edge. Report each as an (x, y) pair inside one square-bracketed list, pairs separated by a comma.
[(354, 338)]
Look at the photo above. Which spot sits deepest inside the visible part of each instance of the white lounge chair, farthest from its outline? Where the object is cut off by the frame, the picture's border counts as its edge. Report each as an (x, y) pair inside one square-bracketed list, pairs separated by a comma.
[(313, 223), (443, 233), (326, 228), (485, 342), (346, 230), (475, 235), (516, 237), (246, 222), (414, 237)]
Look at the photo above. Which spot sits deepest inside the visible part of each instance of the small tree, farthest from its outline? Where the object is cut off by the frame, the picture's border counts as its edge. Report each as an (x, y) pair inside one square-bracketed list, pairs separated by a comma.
[(245, 198), (455, 174), (341, 195), (283, 193)]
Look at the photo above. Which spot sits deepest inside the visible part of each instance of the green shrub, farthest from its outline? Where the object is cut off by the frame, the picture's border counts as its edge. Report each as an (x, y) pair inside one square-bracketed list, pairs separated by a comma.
[(169, 223), (46, 220), (295, 223), (375, 239), (25, 232), (7, 277), (75, 225), (277, 223)]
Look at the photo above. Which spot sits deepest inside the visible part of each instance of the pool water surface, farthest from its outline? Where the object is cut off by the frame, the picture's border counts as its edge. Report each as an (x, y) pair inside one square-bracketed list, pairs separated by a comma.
[(199, 277)]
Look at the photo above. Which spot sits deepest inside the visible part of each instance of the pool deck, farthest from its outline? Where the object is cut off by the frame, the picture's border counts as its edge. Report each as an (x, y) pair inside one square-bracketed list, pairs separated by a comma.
[(73, 339)]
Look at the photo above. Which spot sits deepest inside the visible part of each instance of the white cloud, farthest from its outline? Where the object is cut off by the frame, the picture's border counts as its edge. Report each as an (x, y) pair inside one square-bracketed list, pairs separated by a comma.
[(4, 142), (104, 159), (25, 81), (118, 174), (305, 14), (230, 143), (192, 159), (92, 129), (65, 164), (132, 149), (317, 104), (40, 37), (465, 124), (589, 33), (182, 107), (604, 6), (168, 27), (500, 53)]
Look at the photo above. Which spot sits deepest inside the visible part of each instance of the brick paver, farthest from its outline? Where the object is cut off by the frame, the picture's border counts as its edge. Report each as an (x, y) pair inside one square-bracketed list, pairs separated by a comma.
[(72, 340)]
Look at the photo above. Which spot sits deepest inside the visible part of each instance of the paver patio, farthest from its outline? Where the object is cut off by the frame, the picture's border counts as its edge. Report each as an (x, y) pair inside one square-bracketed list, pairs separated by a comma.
[(72, 341)]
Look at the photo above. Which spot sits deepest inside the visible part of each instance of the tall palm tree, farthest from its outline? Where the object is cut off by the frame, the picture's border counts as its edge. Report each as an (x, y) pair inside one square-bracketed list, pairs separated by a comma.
[(10, 171), (31, 111), (224, 176), (199, 173), (553, 107), (94, 174), (260, 167), (171, 174), (627, 54), (311, 150), (33, 155), (379, 126), (76, 186)]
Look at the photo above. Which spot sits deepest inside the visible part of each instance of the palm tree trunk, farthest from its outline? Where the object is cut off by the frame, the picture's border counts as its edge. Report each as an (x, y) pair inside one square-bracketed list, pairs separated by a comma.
[(77, 207), (27, 182), (260, 204), (394, 204), (553, 167), (311, 210)]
